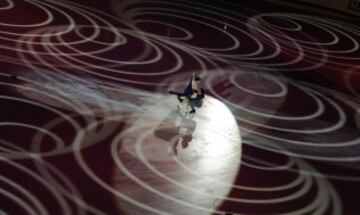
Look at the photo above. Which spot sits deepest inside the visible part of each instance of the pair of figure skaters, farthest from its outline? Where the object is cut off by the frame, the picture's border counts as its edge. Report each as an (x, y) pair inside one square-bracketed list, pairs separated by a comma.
[(191, 97)]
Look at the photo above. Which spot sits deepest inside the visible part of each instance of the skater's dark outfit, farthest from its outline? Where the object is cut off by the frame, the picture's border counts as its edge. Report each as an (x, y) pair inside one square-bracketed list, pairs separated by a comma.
[(194, 96)]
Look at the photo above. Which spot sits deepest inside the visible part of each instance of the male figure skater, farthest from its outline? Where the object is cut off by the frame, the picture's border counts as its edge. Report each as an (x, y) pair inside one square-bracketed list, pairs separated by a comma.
[(192, 96)]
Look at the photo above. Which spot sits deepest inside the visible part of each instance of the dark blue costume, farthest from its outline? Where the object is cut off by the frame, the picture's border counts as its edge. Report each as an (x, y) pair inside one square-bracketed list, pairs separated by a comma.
[(195, 98)]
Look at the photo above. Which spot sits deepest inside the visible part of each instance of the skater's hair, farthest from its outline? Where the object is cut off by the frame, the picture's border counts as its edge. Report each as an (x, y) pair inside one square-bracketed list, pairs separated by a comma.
[(197, 78)]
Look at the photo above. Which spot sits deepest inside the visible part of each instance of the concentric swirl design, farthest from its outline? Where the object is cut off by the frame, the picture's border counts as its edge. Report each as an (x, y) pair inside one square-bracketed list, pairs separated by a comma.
[(88, 127)]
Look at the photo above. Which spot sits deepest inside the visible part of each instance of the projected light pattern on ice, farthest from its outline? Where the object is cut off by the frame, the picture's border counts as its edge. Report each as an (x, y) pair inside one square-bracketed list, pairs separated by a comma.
[(88, 127)]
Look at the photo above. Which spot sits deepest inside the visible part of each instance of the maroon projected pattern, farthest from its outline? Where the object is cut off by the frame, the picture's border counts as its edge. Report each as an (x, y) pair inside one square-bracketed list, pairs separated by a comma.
[(88, 127)]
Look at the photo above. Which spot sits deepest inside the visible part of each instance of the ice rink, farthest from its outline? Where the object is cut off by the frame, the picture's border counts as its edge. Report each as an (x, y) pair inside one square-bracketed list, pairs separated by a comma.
[(87, 125)]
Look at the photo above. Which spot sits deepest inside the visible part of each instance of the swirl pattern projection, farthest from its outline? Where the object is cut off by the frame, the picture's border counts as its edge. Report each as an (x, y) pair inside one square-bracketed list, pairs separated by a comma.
[(87, 125)]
